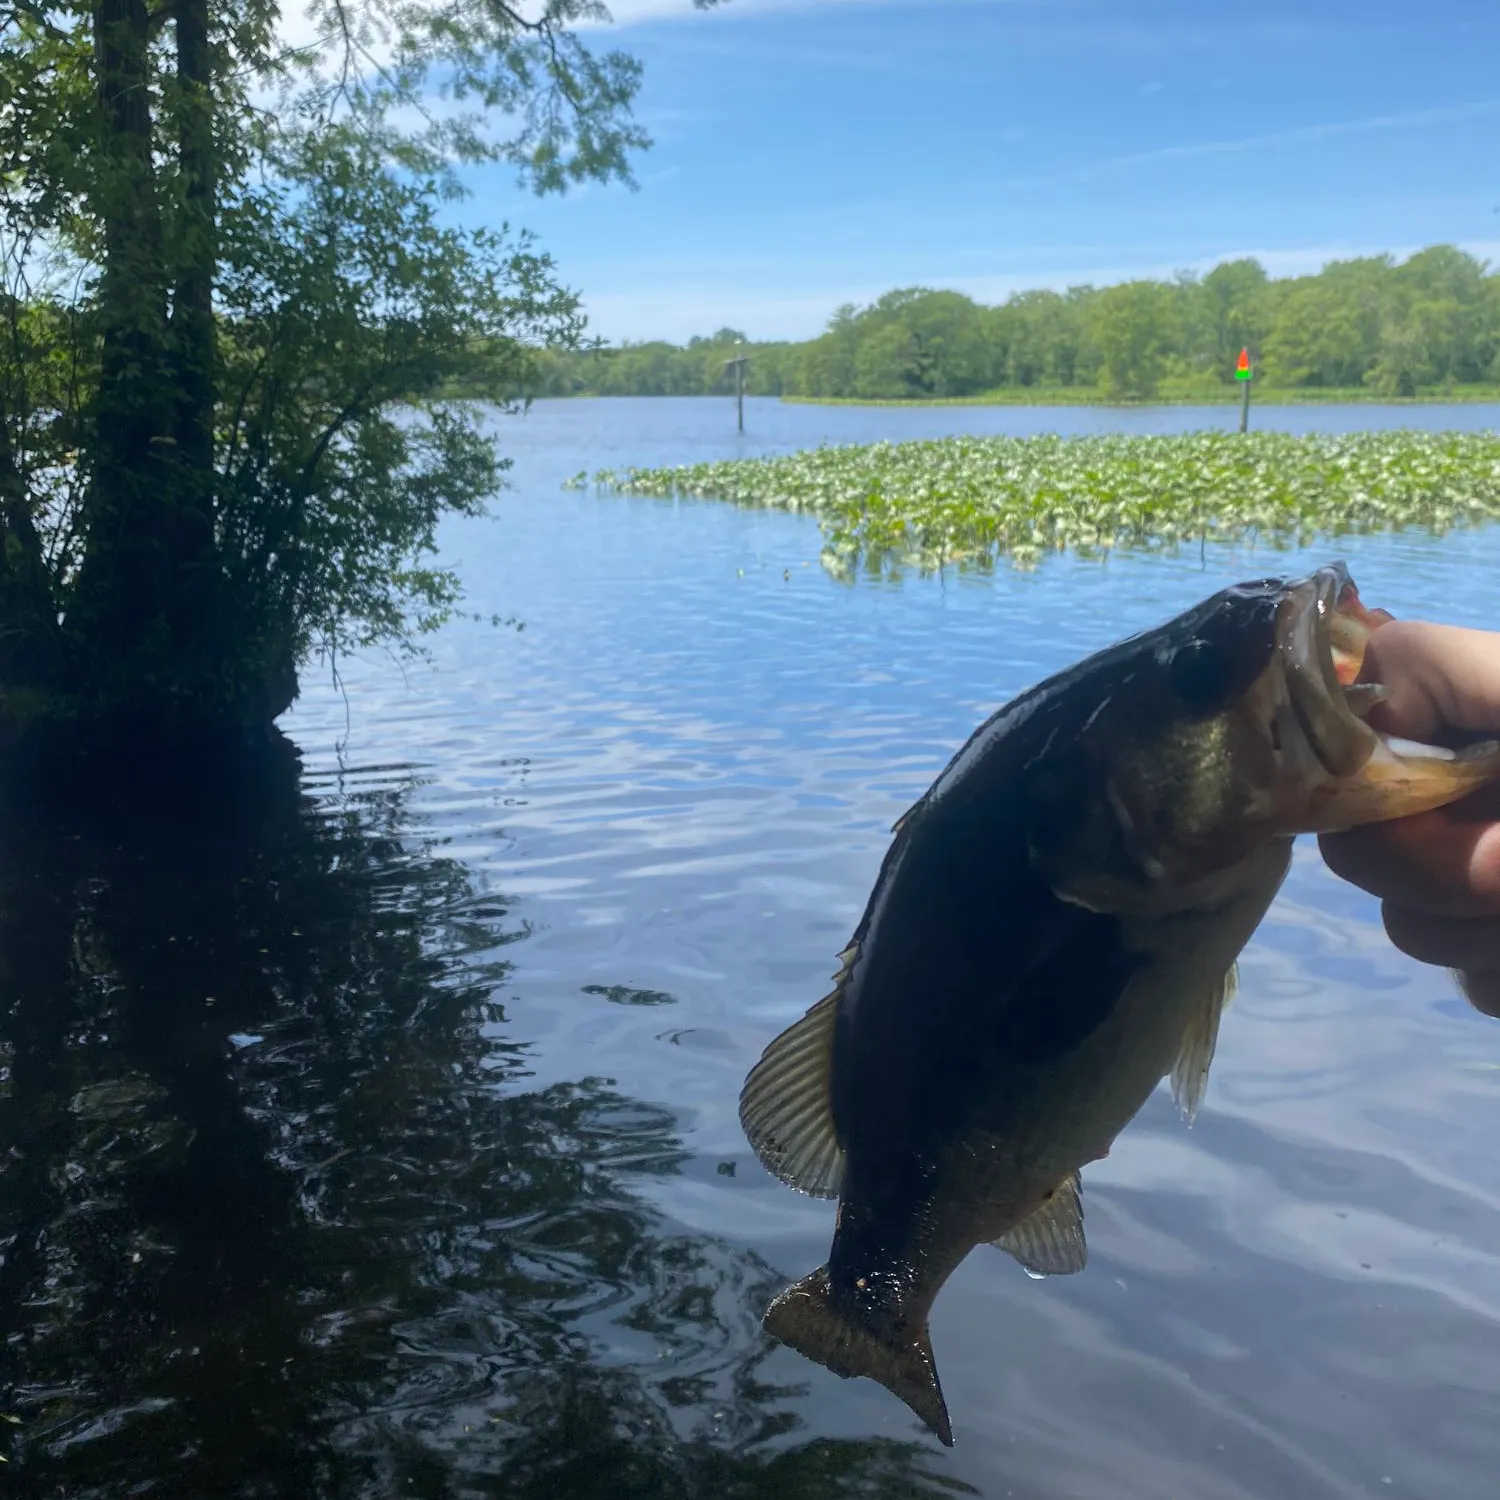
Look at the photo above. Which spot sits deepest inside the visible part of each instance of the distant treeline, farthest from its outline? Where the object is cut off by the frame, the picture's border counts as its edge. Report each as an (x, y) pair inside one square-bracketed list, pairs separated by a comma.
[(1429, 323)]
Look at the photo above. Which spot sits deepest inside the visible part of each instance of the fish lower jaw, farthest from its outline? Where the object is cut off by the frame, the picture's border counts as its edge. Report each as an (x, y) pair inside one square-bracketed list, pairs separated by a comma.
[(1361, 698), (1400, 779), (1368, 776)]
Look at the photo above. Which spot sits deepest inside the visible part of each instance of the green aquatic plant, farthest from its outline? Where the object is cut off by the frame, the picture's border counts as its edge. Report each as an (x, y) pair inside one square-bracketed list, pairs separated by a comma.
[(969, 501)]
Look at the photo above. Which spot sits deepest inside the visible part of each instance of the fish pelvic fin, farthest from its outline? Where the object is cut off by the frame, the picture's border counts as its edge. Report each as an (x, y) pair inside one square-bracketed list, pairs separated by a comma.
[(836, 1333)]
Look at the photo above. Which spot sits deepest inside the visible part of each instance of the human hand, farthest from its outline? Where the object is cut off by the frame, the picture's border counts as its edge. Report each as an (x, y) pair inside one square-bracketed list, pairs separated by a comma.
[(1437, 873)]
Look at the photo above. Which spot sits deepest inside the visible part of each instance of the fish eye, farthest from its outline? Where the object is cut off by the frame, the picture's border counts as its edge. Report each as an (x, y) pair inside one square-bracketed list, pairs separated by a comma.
[(1226, 653), (1201, 672)]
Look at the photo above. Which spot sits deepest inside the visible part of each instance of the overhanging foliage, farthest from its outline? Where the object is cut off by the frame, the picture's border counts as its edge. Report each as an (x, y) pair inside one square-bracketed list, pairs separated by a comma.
[(234, 296)]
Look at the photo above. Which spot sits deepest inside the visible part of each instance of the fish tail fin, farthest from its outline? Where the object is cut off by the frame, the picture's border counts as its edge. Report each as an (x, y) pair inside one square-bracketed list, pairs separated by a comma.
[(811, 1317)]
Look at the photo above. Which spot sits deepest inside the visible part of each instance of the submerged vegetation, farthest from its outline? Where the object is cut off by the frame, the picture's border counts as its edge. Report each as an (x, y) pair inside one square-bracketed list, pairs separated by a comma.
[(1428, 326), (973, 500)]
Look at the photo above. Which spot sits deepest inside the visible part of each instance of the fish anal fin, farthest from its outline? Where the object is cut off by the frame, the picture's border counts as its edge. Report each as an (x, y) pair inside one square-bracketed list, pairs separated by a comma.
[(785, 1106), (1195, 1057), (811, 1318), (1050, 1241)]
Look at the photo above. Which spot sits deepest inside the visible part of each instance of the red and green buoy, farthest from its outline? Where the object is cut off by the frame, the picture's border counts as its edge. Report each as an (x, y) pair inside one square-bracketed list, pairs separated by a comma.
[(1244, 374)]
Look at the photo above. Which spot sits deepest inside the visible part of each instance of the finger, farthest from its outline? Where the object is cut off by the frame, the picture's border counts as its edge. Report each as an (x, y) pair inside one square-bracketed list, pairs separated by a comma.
[(1440, 677), (1481, 989), (1439, 862), (1449, 942)]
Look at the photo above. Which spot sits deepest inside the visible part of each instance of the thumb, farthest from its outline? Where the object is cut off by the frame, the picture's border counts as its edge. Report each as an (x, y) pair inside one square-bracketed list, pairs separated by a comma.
[(1439, 677)]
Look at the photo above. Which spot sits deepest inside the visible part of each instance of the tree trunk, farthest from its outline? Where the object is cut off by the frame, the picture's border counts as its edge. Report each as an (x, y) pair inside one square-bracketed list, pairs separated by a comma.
[(31, 648), (197, 251), (144, 607)]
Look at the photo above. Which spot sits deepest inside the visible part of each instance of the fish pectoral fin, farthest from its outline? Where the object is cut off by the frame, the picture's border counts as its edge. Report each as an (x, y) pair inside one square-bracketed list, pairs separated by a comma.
[(785, 1107), (1050, 1241), (1194, 1058)]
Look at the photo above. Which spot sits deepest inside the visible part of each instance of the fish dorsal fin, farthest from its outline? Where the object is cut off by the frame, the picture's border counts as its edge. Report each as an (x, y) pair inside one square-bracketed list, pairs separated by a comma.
[(1050, 1241), (785, 1106), (1190, 1071)]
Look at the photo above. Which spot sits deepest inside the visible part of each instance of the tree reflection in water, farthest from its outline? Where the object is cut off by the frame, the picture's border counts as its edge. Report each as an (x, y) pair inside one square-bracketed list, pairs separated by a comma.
[(279, 1214)]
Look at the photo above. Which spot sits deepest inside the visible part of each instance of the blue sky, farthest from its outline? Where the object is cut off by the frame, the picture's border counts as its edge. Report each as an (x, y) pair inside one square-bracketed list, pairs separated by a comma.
[(812, 152)]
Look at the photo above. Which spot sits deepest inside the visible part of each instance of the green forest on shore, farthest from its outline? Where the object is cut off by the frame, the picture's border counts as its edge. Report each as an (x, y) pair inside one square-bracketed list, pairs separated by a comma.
[(1368, 328)]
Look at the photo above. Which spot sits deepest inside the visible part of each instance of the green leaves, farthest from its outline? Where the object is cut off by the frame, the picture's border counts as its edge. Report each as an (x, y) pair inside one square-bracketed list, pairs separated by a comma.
[(237, 323), (971, 501), (491, 80), (351, 310), (1136, 327), (1430, 324)]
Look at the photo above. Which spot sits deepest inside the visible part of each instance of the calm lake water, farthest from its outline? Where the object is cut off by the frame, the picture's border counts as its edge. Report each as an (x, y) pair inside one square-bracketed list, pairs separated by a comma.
[(368, 1128)]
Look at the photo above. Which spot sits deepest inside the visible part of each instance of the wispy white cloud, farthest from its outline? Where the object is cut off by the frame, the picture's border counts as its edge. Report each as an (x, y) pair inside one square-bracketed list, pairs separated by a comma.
[(1299, 135), (629, 12), (298, 29), (632, 12), (624, 12)]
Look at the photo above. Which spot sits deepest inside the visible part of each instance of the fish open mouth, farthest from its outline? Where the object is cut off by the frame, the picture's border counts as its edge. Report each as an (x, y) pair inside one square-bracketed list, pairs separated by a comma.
[(1350, 772)]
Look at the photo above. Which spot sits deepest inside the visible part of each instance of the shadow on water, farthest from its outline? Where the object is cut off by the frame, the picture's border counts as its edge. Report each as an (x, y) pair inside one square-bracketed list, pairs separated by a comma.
[(280, 1215)]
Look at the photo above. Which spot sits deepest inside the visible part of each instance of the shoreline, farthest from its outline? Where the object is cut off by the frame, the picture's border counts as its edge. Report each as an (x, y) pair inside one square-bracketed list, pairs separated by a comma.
[(1485, 396)]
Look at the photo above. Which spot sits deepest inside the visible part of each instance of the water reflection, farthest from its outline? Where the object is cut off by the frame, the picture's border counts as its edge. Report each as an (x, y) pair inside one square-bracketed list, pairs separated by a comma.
[(280, 1214)]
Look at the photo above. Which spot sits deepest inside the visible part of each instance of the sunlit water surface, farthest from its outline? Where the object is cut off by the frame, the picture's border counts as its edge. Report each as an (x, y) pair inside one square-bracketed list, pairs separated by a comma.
[(377, 1136)]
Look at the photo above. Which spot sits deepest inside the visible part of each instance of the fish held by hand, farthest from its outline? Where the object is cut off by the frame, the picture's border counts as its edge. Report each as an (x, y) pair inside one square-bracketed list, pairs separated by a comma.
[(1054, 930)]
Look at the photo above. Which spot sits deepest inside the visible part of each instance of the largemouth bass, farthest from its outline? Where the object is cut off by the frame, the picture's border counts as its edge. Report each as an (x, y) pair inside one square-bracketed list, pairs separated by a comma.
[(1054, 930)]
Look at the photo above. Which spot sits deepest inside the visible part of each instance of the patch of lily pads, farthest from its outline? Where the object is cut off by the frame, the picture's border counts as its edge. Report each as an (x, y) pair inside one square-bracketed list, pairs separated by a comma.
[(972, 501)]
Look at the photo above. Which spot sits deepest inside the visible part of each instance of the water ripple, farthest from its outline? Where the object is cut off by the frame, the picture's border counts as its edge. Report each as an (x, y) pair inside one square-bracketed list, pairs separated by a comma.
[(385, 1141)]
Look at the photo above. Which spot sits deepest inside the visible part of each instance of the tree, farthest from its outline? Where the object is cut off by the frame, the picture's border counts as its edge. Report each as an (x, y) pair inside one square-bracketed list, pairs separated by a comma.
[(827, 365), (1432, 320), (949, 331), (1135, 328), (1326, 331), (1433, 323), (890, 364), (1234, 295), (1043, 338), (232, 313)]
